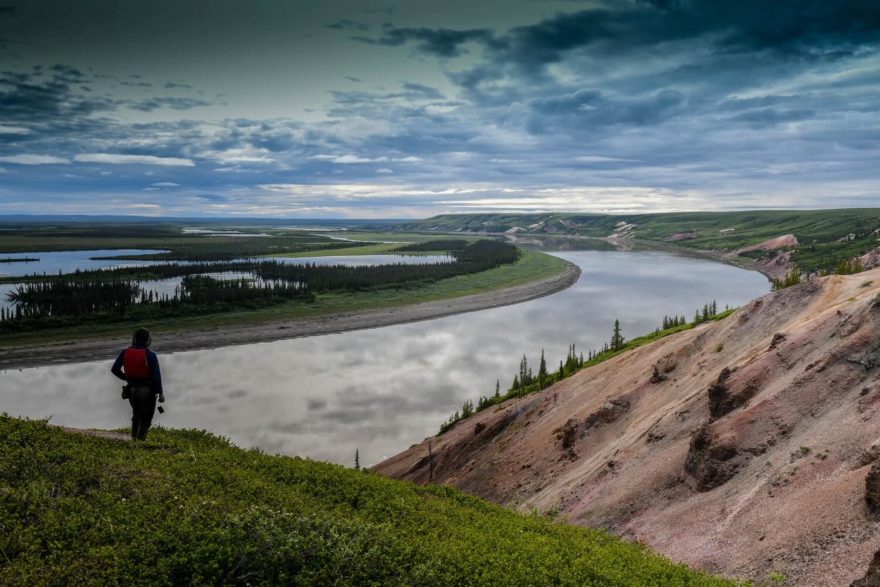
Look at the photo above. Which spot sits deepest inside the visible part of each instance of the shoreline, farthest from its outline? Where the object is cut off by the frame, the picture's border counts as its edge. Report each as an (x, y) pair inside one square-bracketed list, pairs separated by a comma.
[(43, 355)]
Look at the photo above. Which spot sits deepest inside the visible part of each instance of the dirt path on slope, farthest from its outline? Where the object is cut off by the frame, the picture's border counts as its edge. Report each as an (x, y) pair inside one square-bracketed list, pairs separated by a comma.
[(106, 348)]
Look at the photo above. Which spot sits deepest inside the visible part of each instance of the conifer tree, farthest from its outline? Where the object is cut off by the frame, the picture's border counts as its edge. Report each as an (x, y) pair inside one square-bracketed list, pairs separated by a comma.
[(357, 460), (617, 339), (542, 371), (524, 377)]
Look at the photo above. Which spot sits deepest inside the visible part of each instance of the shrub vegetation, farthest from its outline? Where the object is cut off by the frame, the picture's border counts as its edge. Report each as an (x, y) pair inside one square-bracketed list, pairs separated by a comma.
[(188, 508)]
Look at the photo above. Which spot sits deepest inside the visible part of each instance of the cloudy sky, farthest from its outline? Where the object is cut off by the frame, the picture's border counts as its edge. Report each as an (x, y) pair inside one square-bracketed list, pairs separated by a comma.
[(355, 108)]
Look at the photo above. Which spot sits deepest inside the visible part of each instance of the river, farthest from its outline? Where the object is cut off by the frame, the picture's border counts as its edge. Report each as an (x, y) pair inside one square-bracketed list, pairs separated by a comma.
[(380, 390)]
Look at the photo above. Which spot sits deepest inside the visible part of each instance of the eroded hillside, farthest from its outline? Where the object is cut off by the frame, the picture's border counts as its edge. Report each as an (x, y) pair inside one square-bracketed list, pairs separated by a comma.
[(747, 453)]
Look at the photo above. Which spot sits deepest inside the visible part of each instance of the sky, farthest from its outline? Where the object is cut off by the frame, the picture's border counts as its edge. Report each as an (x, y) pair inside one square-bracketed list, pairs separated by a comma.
[(407, 109)]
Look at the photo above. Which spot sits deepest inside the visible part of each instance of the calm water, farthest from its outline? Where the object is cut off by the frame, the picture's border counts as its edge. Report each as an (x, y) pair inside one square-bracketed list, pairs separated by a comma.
[(68, 261), (384, 389)]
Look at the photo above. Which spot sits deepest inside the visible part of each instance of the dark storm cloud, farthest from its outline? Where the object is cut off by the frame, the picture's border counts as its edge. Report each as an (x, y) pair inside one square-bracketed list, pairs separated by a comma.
[(815, 27), (156, 103), (136, 84), (40, 97), (437, 42), (349, 25)]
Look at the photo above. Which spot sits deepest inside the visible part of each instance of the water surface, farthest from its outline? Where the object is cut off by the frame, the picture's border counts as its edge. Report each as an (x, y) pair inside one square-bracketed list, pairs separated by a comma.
[(382, 390), (52, 262)]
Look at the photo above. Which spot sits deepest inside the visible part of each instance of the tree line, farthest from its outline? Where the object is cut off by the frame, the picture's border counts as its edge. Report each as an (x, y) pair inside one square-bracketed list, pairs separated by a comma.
[(65, 303)]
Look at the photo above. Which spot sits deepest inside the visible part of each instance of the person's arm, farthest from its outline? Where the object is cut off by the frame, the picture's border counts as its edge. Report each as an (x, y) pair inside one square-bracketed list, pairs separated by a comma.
[(155, 374), (116, 369)]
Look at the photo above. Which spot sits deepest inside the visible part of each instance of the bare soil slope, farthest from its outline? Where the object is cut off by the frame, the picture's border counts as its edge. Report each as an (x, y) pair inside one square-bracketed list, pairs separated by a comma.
[(749, 455)]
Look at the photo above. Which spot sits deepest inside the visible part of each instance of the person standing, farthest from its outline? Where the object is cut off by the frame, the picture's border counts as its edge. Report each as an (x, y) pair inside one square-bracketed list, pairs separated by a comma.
[(138, 366)]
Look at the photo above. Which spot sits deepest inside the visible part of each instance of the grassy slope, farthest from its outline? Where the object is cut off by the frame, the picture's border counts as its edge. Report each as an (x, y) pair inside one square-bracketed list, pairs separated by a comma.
[(188, 508), (817, 230), (530, 267)]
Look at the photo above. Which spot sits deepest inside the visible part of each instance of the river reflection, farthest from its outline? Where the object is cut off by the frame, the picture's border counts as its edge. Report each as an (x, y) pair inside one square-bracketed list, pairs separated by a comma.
[(384, 389)]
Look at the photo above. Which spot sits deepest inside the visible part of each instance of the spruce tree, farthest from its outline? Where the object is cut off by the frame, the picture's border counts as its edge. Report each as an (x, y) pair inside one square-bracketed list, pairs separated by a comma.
[(542, 371), (617, 339), (357, 460)]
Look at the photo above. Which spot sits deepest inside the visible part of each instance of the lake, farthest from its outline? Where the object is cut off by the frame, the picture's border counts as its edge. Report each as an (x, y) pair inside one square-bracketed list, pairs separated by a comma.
[(381, 390), (52, 262)]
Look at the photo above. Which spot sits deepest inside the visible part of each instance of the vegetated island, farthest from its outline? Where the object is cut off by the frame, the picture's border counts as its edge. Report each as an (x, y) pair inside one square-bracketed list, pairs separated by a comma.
[(187, 508), (743, 443), (98, 307)]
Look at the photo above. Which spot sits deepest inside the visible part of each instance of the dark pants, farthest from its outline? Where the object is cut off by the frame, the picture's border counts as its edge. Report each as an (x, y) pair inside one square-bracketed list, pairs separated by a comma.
[(143, 404)]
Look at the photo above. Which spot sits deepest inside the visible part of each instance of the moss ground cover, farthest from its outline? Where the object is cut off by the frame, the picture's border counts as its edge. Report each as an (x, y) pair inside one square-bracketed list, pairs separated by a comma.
[(187, 508)]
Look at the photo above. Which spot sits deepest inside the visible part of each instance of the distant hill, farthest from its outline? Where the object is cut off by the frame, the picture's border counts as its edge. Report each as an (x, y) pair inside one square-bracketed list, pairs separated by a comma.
[(187, 508), (747, 447), (823, 237)]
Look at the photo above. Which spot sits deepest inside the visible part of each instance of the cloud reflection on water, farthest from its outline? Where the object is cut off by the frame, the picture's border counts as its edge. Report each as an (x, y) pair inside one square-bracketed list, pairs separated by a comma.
[(382, 390)]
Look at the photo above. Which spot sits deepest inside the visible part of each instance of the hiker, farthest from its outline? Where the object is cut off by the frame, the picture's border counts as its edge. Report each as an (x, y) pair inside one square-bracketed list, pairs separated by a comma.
[(138, 366)]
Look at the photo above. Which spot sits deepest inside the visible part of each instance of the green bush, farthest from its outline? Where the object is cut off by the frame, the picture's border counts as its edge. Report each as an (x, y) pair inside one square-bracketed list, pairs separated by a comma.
[(188, 508)]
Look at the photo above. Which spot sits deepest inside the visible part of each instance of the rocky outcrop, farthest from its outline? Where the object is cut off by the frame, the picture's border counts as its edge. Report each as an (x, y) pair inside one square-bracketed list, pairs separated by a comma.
[(872, 488), (871, 259), (709, 462), (724, 396), (574, 429), (609, 412), (872, 577), (719, 395)]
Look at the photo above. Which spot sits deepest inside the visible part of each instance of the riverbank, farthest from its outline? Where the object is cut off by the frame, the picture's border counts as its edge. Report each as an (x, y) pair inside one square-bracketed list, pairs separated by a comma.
[(436, 301)]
